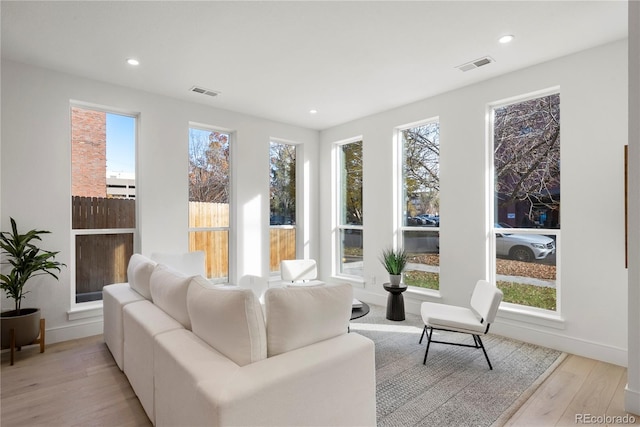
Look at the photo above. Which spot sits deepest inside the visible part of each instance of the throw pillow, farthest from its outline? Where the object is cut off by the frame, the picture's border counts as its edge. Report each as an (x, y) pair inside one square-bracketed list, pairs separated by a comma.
[(169, 292), (300, 316), (139, 274), (228, 319)]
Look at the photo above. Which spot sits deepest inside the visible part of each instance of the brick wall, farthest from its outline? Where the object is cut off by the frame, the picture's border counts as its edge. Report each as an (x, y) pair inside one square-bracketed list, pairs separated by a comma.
[(88, 153)]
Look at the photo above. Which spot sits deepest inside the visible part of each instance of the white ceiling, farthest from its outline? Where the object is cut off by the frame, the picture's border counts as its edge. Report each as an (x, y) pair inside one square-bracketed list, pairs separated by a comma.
[(278, 60)]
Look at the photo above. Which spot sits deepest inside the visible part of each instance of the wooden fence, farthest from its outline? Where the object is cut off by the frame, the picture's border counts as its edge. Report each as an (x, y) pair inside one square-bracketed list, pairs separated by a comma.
[(215, 245), (102, 259), (102, 212), (282, 245), (203, 215)]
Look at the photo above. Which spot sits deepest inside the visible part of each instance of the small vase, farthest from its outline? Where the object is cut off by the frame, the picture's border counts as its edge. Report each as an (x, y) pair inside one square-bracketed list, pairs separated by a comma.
[(395, 279)]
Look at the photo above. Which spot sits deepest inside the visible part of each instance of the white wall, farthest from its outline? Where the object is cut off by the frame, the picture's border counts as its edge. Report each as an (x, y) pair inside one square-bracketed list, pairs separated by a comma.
[(593, 293), (36, 178), (632, 394), (35, 188)]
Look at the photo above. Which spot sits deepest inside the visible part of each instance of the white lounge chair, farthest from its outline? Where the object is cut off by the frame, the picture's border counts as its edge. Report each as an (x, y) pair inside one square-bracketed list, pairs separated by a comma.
[(474, 320)]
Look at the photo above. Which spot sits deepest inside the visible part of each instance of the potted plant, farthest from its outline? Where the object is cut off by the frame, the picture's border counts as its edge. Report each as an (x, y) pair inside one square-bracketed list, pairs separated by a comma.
[(394, 262), (26, 260)]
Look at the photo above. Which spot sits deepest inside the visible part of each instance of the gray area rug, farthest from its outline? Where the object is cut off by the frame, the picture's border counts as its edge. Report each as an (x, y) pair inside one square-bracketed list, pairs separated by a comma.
[(455, 387)]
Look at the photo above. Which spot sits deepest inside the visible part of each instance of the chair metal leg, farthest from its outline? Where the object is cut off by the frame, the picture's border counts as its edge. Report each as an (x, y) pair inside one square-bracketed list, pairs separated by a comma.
[(477, 343), (484, 351), (424, 330), (424, 362)]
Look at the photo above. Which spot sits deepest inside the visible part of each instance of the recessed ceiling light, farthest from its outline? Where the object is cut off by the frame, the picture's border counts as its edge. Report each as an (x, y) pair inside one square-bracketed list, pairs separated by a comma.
[(506, 39), (133, 61), (313, 111)]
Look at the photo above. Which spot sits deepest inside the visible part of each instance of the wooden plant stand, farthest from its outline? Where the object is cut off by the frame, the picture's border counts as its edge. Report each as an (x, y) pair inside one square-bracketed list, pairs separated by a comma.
[(39, 340)]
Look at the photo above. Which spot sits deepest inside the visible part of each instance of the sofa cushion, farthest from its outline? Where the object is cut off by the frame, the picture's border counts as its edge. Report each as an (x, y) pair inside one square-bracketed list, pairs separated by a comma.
[(228, 319), (139, 273), (143, 321), (169, 292), (299, 316)]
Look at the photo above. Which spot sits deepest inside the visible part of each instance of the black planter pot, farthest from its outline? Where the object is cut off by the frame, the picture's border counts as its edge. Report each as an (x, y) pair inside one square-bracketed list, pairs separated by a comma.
[(26, 326)]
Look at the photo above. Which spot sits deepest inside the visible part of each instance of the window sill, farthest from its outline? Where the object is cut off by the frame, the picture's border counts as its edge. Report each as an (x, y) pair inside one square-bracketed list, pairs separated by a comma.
[(531, 315), (85, 311), (423, 292)]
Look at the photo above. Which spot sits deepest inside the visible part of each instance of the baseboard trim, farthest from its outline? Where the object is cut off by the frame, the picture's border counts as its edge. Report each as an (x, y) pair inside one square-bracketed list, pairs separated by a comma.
[(526, 332), (556, 340), (75, 331), (631, 401)]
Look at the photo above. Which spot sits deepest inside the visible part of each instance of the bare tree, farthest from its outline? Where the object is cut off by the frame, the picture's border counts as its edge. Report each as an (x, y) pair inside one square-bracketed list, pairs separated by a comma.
[(208, 166), (527, 152), (422, 166), (283, 182), (352, 187)]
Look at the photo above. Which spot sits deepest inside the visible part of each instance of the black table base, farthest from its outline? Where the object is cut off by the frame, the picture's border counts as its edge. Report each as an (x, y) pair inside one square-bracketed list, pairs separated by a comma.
[(395, 301)]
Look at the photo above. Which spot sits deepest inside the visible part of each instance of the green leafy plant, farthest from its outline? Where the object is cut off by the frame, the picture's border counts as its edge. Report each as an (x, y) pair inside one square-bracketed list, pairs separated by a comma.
[(26, 260), (394, 261)]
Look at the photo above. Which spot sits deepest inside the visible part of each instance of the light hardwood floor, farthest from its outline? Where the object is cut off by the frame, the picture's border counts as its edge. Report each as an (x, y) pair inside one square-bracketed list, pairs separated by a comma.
[(73, 383), (77, 383), (578, 387)]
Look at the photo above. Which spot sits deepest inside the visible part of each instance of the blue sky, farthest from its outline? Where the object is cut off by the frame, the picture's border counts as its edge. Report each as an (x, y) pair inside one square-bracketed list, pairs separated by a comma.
[(121, 138)]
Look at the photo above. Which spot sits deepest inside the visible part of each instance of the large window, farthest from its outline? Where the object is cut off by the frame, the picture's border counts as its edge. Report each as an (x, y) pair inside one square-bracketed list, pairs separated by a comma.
[(349, 209), (282, 205), (209, 186), (103, 206), (420, 203), (526, 209)]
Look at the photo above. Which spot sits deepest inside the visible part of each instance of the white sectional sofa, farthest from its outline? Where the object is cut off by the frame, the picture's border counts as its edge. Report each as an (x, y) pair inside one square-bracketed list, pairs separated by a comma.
[(197, 354)]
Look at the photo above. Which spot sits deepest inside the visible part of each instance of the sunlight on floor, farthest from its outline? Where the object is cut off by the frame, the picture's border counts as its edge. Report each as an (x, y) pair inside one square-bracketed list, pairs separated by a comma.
[(385, 328)]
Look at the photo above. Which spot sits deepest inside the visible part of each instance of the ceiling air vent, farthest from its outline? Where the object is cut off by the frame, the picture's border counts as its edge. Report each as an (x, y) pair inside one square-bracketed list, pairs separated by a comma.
[(475, 64), (204, 91)]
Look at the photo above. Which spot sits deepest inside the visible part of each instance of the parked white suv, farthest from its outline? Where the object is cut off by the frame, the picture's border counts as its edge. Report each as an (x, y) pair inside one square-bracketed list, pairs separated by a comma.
[(524, 247)]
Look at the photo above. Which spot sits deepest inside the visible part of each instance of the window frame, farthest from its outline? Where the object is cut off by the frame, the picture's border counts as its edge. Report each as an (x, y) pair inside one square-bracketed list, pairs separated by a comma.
[(401, 227), (230, 227), (338, 210), (80, 310), (552, 318), (299, 194)]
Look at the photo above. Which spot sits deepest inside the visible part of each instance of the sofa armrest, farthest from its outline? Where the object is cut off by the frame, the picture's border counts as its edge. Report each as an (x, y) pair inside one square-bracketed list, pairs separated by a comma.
[(181, 361), (114, 298), (329, 383)]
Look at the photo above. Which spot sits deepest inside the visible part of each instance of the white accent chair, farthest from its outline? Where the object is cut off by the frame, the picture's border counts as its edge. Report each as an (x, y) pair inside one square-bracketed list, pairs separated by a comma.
[(475, 320), (299, 272)]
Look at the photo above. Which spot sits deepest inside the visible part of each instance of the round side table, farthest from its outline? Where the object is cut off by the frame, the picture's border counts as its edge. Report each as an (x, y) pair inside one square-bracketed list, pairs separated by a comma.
[(395, 301), (359, 312)]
